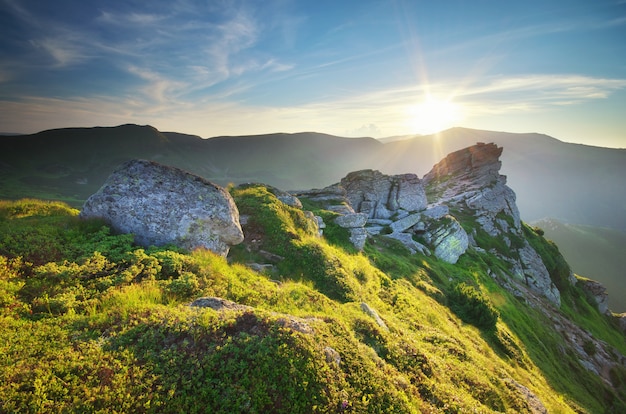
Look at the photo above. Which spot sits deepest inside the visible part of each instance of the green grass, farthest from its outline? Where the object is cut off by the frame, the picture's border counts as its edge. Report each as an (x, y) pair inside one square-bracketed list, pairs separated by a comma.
[(89, 322)]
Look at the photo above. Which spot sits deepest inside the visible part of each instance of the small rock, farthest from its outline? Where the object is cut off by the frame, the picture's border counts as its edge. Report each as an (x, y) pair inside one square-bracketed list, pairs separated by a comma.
[(372, 312), (218, 304)]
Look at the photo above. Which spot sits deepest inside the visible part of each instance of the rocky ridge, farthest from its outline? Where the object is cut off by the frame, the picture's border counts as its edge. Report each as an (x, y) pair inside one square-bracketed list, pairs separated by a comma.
[(424, 214)]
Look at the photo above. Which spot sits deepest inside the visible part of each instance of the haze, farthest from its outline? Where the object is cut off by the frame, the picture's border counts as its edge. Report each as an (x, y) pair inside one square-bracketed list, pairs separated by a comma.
[(350, 68)]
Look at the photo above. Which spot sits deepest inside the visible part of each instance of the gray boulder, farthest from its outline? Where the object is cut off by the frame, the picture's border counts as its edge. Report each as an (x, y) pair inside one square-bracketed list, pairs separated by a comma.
[(449, 240), (164, 205), (407, 240), (405, 223), (358, 237), (218, 304), (353, 220), (372, 312)]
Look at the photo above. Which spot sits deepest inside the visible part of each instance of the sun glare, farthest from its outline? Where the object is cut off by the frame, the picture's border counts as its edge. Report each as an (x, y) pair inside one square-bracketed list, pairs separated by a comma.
[(433, 115)]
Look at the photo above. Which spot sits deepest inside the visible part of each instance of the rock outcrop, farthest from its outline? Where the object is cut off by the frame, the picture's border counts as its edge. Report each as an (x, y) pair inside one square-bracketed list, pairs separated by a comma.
[(598, 293), (382, 196), (468, 182), (164, 205), (371, 203)]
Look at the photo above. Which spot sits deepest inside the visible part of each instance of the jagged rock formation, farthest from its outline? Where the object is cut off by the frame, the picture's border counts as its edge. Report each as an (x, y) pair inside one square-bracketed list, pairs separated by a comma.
[(382, 196), (425, 214), (469, 183), (164, 205)]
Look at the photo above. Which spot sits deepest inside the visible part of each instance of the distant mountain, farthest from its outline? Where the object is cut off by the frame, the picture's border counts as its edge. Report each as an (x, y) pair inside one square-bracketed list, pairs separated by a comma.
[(574, 183), (594, 252)]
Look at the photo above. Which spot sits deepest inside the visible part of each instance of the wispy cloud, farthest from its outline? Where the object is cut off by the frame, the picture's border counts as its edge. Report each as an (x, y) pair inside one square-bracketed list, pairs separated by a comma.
[(384, 112), (123, 19), (65, 50), (158, 88), (535, 91)]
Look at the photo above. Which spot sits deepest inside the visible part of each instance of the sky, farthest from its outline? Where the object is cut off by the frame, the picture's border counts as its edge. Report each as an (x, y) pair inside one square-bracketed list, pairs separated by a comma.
[(348, 68)]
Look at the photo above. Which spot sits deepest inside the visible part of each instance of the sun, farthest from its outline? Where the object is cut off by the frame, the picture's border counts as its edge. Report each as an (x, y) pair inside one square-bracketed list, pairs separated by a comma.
[(433, 115)]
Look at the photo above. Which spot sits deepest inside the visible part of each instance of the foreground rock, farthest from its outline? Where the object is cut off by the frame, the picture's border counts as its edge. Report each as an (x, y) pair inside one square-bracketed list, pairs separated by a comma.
[(164, 205)]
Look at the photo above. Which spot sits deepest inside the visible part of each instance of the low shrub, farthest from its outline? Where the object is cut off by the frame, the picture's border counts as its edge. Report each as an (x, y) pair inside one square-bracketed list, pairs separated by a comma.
[(472, 307)]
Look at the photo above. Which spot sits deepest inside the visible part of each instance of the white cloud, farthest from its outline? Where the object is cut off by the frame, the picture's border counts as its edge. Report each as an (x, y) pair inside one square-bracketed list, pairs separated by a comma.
[(368, 130), (64, 50)]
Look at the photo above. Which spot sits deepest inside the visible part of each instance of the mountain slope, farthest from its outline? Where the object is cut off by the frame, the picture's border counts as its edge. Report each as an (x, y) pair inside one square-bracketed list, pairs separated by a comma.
[(594, 252), (92, 322)]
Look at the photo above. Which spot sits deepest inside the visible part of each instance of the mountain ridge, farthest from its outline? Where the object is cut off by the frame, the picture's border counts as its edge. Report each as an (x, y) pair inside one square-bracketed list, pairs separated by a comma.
[(538, 167)]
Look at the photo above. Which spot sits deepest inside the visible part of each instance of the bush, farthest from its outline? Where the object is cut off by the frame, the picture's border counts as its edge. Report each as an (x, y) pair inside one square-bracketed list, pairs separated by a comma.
[(472, 307)]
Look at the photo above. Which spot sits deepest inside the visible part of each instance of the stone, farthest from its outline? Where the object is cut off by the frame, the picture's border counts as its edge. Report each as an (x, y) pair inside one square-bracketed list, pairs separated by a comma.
[(374, 230), (372, 312), (332, 356), (405, 223), (290, 200), (478, 165), (407, 240), (218, 304), (380, 195), (350, 221), (449, 240), (598, 292), (163, 205), (534, 403), (436, 212), (295, 324), (410, 194), (358, 237), (537, 276), (379, 222), (470, 178), (333, 194), (320, 225)]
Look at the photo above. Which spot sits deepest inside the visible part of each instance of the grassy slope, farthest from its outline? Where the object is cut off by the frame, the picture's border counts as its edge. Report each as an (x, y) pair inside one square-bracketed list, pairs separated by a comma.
[(90, 322), (594, 252)]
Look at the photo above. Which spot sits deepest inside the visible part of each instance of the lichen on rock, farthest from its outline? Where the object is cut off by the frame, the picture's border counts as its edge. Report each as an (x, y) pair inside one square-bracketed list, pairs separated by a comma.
[(163, 205)]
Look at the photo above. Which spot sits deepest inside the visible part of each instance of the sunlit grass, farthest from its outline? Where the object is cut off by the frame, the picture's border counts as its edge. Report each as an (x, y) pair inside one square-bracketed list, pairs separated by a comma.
[(108, 327)]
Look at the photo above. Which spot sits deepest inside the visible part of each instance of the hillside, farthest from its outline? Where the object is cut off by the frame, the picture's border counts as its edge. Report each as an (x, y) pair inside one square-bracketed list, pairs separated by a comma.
[(299, 322), (595, 252)]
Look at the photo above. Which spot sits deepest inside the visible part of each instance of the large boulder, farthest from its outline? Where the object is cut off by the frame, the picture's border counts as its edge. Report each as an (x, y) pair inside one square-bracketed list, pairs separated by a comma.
[(164, 205), (448, 239)]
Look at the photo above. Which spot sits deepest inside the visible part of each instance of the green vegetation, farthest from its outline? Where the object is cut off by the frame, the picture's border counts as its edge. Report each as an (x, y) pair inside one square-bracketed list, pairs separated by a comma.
[(90, 322), (472, 307), (596, 252)]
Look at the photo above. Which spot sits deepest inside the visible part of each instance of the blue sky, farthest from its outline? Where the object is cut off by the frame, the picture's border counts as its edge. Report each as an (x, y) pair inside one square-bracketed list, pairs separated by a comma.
[(350, 68)]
